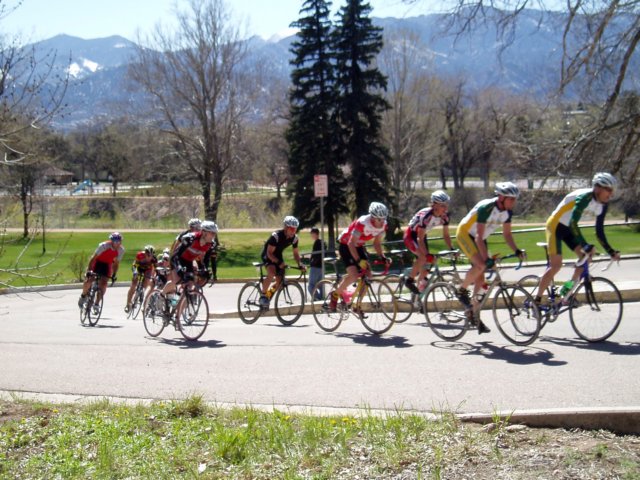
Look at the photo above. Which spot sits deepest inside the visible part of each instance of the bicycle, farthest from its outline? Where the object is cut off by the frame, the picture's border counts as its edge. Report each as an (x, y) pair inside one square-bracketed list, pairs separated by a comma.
[(594, 303), (408, 301), (137, 300), (189, 313), (514, 311), (289, 298), (91, 308), (371, 301)]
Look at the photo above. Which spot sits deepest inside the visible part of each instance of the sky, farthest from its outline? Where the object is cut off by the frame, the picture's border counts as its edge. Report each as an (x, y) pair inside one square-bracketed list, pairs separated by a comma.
[(37, 20)]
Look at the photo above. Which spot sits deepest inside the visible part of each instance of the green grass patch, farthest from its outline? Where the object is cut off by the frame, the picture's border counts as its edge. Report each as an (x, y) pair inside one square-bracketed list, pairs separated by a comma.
[(67, 253)]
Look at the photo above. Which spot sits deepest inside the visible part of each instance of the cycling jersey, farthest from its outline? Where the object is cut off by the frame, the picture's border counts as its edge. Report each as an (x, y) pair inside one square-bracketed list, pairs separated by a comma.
[(427, 220), (362, 230), (569, 212), (279, 240), (105, 253), (486, 212), (141, 263), (193, 248)]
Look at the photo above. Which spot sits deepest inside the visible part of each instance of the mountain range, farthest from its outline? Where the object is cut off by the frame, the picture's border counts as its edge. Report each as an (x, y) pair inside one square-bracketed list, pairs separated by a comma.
[(530, 65)]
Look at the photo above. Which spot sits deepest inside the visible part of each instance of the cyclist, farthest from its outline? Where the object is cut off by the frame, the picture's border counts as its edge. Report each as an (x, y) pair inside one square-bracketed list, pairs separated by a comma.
[(562, 226), (193, 251), (474, 229), (194, 226), (162, 267), (415, 236), (352, 250), (144, 266), (272, 255), (104, 262)]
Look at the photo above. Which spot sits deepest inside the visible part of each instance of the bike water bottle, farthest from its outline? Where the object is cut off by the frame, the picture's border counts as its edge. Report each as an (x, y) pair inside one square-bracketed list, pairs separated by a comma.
[(271, 291), (422, 285), (566, 286), (173, 299), (348, 293)]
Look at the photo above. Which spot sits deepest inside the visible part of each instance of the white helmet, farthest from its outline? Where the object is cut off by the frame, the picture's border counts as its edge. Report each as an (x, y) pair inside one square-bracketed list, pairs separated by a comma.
[(195, 223), (507, 189), (604, 179), (290, 221), (439, 196), (378, 210), (209, 226)]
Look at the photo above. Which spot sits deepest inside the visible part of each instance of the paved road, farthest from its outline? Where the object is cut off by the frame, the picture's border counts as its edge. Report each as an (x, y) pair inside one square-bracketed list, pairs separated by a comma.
[(43, 348)]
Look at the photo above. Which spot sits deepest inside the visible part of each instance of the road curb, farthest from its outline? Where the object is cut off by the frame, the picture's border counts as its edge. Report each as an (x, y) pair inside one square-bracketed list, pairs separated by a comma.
[(621, 420)]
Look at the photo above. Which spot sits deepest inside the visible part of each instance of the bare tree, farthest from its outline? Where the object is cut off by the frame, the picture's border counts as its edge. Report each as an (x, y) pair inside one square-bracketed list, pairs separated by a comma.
[(197, 85)]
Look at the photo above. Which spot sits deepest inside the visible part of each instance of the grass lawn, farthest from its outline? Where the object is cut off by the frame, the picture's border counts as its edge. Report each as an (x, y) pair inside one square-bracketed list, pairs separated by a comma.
[(67, 253)]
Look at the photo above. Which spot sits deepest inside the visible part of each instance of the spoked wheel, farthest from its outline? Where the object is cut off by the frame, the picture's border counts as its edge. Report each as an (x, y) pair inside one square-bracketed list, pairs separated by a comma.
[(84, 311), (249, 302), (94, 309), (192, 315), (153, 314), (405, 298), (596, 309), (516, 314), (444, 313), (378, 307), (289, 303), (326, 319), (136, 304)]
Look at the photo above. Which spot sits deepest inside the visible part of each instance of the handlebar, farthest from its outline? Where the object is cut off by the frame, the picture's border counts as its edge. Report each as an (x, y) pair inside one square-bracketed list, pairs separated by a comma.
[(387, 265)]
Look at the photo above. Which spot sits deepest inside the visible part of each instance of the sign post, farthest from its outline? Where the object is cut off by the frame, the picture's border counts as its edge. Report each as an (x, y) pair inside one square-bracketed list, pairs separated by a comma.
[(321, 189)]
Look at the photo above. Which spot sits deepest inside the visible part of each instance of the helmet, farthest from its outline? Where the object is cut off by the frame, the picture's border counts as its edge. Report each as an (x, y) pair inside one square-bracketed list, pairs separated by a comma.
[(440, 196), (166, 251), (209, 226), (604, 179), (115, 237), (149, 249), (378, 210), (290, 221), (195, 223), (507, 189)]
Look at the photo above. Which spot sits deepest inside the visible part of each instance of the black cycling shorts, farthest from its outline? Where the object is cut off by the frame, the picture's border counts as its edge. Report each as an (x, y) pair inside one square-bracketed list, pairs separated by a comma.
[(347, 259)]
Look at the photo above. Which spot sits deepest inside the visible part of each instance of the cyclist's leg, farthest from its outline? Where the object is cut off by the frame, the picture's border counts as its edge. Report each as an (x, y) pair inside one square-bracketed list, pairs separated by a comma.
[(555, 235), (132, 289), (351, 267), (411, 242)]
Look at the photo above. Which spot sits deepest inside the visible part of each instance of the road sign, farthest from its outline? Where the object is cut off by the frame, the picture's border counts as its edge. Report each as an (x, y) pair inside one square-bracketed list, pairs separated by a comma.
[(320, 186)]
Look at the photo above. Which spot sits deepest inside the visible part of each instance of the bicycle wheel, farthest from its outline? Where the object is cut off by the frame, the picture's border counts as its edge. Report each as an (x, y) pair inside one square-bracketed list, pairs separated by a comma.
[(289, 303), (84, 311), (516, 314), (94, 309), (378, 307), (326, 319), (596, 309), (444, 313), (153, 314), (405, 298), (138, 300), (249, 302), (192, 315)]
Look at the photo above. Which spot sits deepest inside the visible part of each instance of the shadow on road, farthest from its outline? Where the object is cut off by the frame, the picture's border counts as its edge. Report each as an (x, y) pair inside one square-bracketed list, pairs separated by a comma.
[(613, 348), (185, 344), (376, 341), (507, 353)]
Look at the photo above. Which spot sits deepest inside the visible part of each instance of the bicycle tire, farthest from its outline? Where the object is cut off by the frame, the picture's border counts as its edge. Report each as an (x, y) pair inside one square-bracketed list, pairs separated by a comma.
[(326, 319), (516, 314), (138, 300), (93, 313), (405, 298), (192, 315), (378, 307), (84, 311), (445, 315), (595, 309), (249, 302), (153, 314), (289, 303)]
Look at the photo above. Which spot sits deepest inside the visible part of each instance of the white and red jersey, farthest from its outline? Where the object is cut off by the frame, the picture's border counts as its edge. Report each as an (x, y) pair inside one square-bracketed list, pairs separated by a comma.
[(362, 230), (426, 219), (192, 247), (105, 253)]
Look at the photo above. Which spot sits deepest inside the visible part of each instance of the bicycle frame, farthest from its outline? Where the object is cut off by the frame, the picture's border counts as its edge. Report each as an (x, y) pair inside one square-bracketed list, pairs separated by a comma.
[(496, 282)]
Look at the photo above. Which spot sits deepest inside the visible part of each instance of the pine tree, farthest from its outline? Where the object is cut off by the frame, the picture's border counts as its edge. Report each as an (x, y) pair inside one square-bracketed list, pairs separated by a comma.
[(310, 134), (359, 107)]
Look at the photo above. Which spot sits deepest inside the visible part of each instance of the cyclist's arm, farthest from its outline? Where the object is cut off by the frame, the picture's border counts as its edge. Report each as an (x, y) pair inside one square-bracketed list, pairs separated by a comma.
[(582, 201), (296, 256), (377, 245), (508, 236), (116, 265), (602, 238), (271, 255), (447, 236)]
